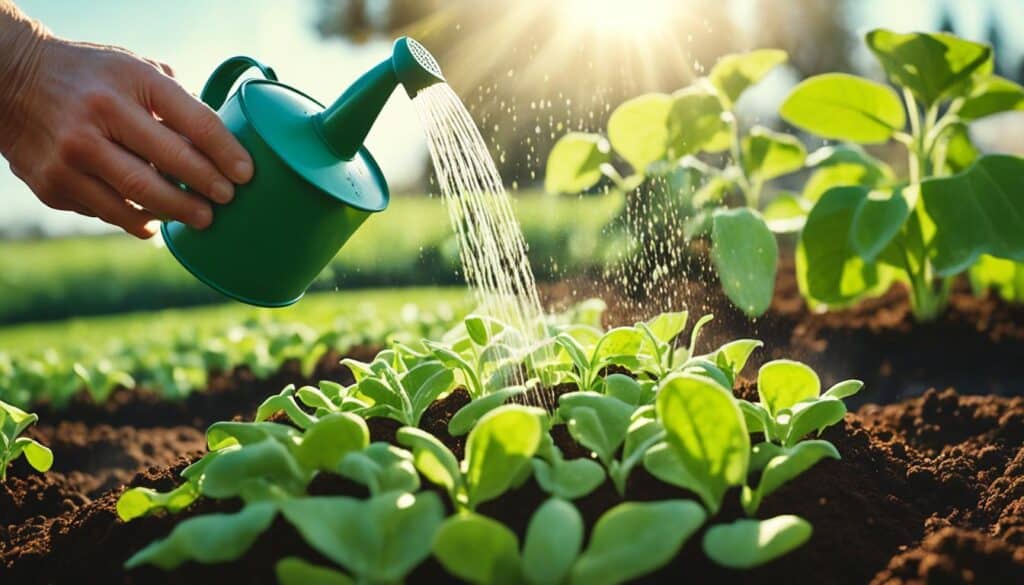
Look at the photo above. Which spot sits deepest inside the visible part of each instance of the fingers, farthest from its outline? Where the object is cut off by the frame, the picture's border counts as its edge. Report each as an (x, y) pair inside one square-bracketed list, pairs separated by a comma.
[(107, 205), (136, 181), (142, 134), (197, 122)]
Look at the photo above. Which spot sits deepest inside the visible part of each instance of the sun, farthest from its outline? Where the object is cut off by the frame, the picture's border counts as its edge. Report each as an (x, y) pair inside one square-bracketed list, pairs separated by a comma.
[(616, 17)]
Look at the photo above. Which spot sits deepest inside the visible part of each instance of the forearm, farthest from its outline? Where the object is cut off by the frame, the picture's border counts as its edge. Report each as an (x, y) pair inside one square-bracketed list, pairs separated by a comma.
[(21, 40)]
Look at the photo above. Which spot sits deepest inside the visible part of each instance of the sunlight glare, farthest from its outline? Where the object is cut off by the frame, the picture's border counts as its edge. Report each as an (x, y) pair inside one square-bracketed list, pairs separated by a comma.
[(627, 17)]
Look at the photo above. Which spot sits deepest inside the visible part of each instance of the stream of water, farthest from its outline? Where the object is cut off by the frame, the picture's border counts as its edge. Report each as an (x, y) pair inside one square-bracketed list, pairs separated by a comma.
[(491, 244)]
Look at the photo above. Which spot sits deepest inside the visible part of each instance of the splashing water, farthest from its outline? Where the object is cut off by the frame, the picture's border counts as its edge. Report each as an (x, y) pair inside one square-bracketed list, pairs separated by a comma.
[(491, 245)]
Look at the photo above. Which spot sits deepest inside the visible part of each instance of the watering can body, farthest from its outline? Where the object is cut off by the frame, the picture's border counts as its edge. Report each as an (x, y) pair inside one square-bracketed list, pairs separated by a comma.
[(303, 203)]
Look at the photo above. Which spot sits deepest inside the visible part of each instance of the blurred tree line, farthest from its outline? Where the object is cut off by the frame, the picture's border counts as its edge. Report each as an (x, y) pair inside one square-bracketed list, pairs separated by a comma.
[(530, 72)]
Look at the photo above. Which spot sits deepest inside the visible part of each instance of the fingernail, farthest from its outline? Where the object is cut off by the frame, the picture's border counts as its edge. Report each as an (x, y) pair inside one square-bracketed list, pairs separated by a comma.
[(202, 217), (222, 192), (242, 171)]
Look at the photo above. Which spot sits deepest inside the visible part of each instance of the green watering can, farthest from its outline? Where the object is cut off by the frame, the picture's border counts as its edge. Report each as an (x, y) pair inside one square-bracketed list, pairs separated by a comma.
[(314, 182)]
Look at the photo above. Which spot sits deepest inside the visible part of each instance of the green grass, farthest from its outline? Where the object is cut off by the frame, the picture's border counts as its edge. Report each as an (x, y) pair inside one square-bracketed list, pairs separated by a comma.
[(316, 310), (410, 243)]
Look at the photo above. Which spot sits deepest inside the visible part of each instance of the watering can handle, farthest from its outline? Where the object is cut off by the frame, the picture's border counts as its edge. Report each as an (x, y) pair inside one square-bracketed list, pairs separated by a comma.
[(223, 78)]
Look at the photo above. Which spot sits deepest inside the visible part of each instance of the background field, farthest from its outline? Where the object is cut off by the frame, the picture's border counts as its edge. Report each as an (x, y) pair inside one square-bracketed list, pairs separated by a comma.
[(408, 244)]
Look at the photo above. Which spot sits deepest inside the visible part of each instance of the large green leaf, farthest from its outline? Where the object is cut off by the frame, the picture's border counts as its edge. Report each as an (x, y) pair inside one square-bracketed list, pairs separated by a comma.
[(705, 428), (828, 266), (695, 122), (381, 467), (633, 539), (1006, 277), (435, 461), (995, 95), (251, 468), (768, 154), (638, 129), (786, 213), (213, 538), (574, 164), (934, 66), (845, 107), (478, 550), (379, 540), (554, 538), (568, 479), (841, 166), (498, 448), (733, 74), (746, 544), (879, 219), (745, 253), (979, 211)]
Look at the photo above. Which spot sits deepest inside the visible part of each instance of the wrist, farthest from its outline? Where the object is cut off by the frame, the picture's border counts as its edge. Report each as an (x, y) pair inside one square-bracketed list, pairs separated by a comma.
[(21, 47)]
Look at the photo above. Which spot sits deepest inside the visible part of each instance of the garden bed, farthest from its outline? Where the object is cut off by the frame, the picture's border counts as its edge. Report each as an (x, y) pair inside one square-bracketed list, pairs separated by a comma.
[(929, 489)]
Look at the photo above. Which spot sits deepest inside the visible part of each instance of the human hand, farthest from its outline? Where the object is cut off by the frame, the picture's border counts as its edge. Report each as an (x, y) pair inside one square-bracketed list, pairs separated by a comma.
[(91, 129)]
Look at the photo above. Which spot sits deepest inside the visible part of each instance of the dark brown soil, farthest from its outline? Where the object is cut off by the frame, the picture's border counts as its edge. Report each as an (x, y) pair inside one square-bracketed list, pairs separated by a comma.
[(929, 490)]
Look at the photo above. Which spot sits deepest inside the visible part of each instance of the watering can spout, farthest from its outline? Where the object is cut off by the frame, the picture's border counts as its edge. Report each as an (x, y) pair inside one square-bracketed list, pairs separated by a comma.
[(345, 123)]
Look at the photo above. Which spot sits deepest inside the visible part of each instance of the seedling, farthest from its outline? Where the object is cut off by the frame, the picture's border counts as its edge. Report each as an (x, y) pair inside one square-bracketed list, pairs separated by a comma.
[(498, 453), (605, 424), (746, 544), (868, 229), (660, 136), (13, 422), (791, 404), (628, 541)]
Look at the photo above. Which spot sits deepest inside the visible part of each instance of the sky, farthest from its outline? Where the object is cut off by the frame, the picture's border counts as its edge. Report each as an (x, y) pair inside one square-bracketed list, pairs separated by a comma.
[(194, 36)]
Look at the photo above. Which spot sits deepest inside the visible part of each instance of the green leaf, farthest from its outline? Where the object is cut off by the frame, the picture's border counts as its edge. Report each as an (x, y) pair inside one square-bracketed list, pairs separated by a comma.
[(431, 457), (705, 428), (828, 266), (767, 154), (331, 438), (213, 538), (662, 462), (478, 550), (839, 106), (285, 402), (574, 164), (497, 449), (783, 383), (638, 129), (625, 389), (226, 433), (140, 501), (996, 94), (959, 150), (467, 416), (695, 122), (934, 66), (813, 416), (253, 467), (38, 455), (979, 211), (381, 468), (746, 544), (570, 479), (787, 465), (424, 383), (616, 343), (596, 421), (378, 540), (667, 326), (732, 357), (634, 539), (745, 253), (786, 213), (844, 389), (878, 220), (733, 74), (295, 571), (554, 538)]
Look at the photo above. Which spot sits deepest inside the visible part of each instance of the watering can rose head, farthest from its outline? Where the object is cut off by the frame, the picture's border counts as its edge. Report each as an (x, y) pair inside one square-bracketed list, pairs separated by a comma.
[(314, 185)]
